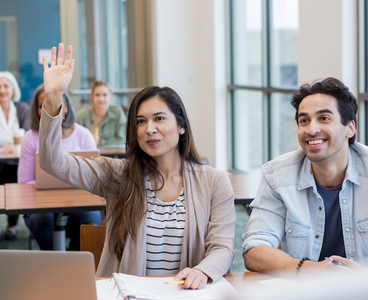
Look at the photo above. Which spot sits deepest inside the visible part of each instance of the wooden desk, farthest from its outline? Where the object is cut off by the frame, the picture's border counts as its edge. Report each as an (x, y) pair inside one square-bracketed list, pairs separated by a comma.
[(115, 152), (245, 186), (240, 281), (2, 199), (23, 198)]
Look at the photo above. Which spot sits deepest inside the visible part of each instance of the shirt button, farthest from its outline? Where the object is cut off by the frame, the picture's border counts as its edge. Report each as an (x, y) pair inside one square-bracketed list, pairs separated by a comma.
[(317, 236), (320, 208), (352, 258), (289, 230), (344, 201), (347, 229), (314, 191)]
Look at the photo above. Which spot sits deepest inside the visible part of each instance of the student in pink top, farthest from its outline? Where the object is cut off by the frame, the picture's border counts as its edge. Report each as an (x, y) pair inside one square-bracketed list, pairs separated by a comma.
[(74, 137)]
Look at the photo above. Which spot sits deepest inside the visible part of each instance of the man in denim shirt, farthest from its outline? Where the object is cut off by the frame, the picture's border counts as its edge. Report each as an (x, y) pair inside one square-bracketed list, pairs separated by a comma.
[(313, 202)]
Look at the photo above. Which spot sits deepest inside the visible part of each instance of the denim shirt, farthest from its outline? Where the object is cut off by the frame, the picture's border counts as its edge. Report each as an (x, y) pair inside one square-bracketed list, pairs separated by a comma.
[(288, 208)]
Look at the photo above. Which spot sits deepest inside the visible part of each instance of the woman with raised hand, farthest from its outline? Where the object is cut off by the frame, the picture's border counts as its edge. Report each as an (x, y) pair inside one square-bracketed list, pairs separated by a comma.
[(104, 120), (74, 137), (167, 213)]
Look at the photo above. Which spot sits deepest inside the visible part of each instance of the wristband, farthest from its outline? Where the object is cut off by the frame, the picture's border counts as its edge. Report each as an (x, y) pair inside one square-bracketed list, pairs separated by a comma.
[(300, 264)]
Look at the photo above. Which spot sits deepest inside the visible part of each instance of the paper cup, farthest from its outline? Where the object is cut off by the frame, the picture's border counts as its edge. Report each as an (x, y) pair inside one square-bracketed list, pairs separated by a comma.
[(18, 138)]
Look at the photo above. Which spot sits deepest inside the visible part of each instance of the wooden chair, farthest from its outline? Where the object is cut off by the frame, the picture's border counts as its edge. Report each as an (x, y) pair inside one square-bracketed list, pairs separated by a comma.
[(92, 238)]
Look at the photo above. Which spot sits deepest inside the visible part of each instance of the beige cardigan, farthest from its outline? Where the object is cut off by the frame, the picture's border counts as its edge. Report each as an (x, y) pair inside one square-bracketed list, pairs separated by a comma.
[(208, 243)]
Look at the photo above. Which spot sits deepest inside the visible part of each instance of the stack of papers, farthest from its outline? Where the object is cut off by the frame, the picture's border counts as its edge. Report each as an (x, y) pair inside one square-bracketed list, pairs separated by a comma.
[(134, 287)]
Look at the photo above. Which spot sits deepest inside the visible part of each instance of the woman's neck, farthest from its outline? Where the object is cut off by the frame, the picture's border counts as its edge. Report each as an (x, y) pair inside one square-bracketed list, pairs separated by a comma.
[(5, 106), (66, 132), (170, 165)]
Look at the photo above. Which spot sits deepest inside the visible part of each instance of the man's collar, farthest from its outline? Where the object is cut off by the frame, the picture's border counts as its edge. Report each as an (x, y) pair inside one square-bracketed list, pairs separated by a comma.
[(306, 177)]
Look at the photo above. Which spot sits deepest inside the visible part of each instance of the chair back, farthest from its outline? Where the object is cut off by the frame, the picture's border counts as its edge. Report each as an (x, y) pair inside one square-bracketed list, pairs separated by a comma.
[(92, 238)]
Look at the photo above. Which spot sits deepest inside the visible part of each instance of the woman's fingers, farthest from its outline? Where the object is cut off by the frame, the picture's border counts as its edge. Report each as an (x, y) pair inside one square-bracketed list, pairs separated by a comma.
[(44, 61), (194, 278), (60, 54), (53, 56), (68, 58)]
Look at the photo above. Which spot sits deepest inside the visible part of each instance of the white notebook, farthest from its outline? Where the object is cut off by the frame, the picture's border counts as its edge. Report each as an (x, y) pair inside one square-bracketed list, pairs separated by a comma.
[(135, 287)]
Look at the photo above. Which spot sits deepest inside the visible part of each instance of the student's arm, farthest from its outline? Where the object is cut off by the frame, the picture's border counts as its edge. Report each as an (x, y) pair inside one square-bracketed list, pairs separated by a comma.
[(86, 174), (267, 259)]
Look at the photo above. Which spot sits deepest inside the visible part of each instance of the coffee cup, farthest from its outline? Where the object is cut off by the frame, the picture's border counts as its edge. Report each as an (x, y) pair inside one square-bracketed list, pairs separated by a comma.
[(18, 135)]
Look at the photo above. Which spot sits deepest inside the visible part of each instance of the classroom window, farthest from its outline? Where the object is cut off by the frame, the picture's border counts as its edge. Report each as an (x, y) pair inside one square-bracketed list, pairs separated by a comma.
[(263, 64), (103, 44), (363, 71)]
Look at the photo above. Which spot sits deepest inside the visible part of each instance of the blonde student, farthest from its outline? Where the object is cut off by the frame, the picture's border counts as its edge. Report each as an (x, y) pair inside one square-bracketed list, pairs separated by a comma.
[(167, 213)]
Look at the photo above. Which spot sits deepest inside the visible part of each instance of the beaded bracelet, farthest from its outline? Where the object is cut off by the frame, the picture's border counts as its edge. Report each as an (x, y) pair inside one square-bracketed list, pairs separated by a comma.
[(300, 264)]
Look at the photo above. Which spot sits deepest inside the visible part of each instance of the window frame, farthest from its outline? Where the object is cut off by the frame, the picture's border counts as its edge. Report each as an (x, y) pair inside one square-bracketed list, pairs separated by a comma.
[(267, 89)]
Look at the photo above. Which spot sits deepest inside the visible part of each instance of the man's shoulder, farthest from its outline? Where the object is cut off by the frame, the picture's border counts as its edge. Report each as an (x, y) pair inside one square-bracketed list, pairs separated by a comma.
[(293, 159), (359, 149)]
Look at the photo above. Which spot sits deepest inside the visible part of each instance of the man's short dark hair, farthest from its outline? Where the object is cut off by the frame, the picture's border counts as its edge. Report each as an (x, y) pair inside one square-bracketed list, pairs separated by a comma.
[(347, 104)]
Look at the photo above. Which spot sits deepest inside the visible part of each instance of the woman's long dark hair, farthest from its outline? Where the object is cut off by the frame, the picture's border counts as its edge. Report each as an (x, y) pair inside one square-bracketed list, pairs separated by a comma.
[(129, 209)]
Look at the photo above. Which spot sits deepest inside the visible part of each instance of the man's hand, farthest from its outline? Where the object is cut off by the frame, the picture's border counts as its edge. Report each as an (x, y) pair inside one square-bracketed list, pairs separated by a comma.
[(349, 263), (194, 278)]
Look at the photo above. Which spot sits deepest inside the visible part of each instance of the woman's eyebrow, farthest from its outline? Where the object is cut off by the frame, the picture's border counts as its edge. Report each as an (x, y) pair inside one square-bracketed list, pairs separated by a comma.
[(155, 114)]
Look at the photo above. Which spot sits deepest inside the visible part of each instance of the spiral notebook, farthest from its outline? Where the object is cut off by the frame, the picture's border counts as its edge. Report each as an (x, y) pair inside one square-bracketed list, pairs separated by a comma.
[(152, 288)]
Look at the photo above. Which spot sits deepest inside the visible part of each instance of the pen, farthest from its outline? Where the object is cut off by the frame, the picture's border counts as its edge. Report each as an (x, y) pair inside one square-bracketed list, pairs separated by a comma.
[(96, 131), (175, 282), (334, 261)]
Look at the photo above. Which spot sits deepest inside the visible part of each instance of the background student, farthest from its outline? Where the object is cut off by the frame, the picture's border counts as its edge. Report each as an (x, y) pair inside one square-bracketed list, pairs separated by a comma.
[(13, 115), (104, 120), (167, 213), (73, 137)]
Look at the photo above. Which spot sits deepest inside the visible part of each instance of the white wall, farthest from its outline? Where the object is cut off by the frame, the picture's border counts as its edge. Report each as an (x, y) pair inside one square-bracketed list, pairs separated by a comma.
[(328, 39), (190, 57)]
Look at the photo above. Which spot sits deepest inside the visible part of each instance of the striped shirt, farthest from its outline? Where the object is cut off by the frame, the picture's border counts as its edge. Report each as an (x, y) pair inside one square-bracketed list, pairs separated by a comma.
[(165, 230)]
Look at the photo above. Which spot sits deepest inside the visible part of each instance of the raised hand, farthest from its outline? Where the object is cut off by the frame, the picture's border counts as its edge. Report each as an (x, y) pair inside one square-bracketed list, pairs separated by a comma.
[(57, 78)]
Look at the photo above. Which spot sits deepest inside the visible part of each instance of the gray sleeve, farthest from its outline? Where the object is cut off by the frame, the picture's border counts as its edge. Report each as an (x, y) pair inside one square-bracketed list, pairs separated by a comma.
[(219, 241), (88, 174)]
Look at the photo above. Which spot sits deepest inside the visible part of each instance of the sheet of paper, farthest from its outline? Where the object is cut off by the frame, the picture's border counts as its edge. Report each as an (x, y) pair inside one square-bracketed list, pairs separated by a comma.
[(155, 288)]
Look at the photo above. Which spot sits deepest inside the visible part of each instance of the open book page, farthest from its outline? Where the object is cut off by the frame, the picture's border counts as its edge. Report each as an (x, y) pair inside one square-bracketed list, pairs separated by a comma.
[(155, 288)]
